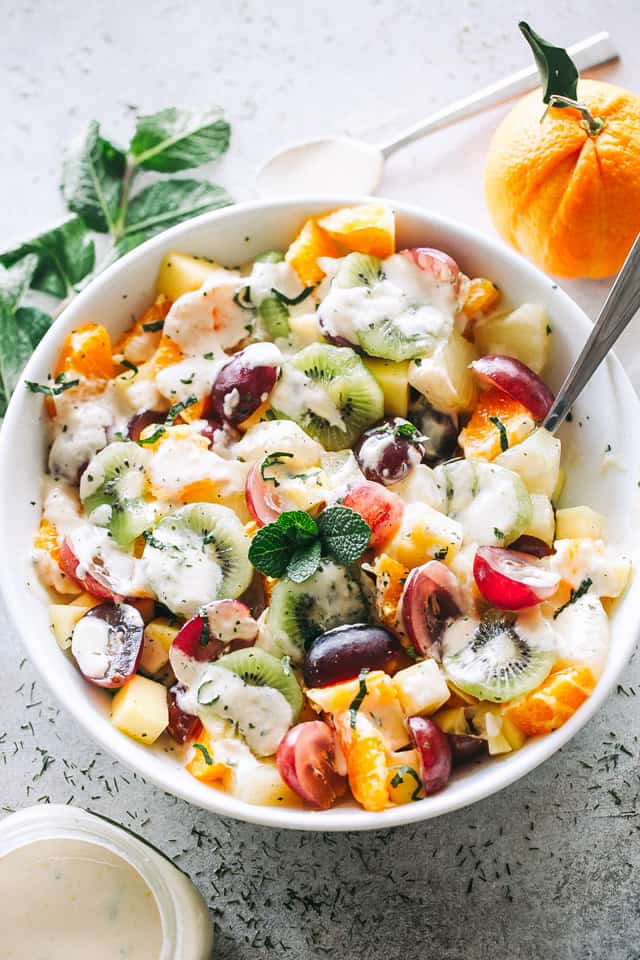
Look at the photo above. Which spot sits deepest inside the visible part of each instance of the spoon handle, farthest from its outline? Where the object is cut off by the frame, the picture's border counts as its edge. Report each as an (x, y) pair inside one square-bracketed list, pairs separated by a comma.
[(591, 52), (618, 310)]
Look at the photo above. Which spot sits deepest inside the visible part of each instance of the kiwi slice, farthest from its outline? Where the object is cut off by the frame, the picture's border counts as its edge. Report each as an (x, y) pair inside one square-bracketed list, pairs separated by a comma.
[(300, 612), (491, 502), (274, 317), (334, 400), (112, 488), (198, 554), (260, 669), (498, 658), (358, 270)]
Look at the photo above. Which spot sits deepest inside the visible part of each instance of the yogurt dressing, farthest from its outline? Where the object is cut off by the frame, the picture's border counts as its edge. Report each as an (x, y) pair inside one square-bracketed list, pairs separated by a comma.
[(67, 899), (417, 304), (261, 714), (208, 320)]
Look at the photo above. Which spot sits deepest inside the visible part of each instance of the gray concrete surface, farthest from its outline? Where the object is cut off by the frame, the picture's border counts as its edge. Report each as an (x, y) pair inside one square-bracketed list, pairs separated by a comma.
[(546, 869)]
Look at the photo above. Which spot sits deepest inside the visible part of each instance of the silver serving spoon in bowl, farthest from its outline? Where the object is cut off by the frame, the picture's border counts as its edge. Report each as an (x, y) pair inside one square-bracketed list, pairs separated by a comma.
[(617, 312), (346, 165)]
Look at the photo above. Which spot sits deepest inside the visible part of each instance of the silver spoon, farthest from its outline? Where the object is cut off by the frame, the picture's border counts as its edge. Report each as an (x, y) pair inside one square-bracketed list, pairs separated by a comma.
[(346, 165), (617, 312)]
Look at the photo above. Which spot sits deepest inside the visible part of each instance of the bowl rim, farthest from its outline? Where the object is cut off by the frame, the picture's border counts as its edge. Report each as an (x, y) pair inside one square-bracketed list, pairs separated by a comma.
[(119, 746)]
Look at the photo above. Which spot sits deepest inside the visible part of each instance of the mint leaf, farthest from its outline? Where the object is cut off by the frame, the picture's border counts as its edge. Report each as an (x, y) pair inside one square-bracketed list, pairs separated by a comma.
[(298, 525), (15, 280), (304, 562), (270, 551), (163, 205), (273, 460), (344, 533), (92, 179), (15, 342), (34, 322), (173, 139), (291, 540), (15, 350), (177, 408), (65, 255), (558, 73)]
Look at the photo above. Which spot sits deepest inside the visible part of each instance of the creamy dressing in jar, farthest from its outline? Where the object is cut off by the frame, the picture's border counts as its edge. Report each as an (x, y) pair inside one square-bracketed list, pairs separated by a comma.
[(66, 899), (74, 885)]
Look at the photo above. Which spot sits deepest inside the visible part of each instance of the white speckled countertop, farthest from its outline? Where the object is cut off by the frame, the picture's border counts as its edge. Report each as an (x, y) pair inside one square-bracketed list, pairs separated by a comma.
[(544, 869)]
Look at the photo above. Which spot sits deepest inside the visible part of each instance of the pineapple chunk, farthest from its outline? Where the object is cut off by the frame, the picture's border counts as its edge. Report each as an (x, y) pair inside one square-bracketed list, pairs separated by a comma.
[(421, 485), (403, 782), (501, 734), (85, 600), (445, 378), (63, 618), (454, 720), (305, 329), (393, 379), (579, 558), (579, 522), (522, 333), (140, 709), (421, 688), (180, 273), (424, 534), (261, 784), (536, 460), (158, 637), (380, 706), (543, 522)]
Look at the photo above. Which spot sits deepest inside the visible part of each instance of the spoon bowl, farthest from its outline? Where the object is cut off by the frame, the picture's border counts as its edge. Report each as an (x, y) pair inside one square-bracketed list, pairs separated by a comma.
[(326, 165)]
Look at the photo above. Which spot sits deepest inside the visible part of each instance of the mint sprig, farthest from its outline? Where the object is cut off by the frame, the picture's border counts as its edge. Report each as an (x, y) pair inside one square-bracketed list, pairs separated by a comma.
[(100, 188), (295, 544)]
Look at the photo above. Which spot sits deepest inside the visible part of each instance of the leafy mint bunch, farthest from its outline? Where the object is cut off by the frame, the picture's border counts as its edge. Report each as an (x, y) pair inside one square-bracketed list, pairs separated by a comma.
[(103, 190), (294, 545)]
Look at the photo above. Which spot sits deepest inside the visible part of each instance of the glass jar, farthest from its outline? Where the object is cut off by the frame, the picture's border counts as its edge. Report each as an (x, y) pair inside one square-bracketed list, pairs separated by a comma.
[(187, 932)]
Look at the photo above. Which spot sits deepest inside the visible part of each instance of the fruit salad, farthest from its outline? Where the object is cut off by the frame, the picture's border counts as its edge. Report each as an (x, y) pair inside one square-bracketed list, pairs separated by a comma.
[(300, 521)]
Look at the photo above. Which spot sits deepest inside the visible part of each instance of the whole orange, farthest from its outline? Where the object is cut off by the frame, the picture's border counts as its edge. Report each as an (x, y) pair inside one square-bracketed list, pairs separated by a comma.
[(568, 200)]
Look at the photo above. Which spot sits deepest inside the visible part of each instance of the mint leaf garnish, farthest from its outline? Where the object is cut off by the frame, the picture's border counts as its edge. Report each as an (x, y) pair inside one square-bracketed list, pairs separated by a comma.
[(300, 526), (574, 595), (272, 460), (177, 408), (304, 562), (270, 551), (294, 545), (344, 533)]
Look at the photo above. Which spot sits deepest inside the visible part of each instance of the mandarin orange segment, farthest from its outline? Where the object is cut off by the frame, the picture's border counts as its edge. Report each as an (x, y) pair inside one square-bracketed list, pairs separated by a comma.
[(390, 579), (47, 539), (367, 228), (551, 705), (497, 423), (195, 411), (168, 352), (310, 244), (204, 766), (153, 315), (366, 757), (482, 295), (87, 351)]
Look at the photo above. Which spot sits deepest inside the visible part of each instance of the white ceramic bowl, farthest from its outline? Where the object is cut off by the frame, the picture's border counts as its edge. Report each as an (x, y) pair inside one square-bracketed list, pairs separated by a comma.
[(607, 413)]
